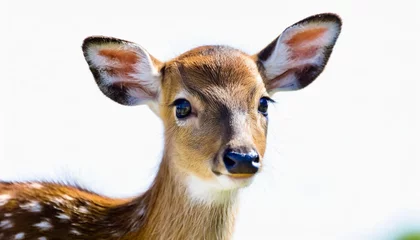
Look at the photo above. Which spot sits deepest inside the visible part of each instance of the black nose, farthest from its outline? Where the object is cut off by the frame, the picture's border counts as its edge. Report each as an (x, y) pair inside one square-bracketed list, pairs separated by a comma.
[(241, 163)]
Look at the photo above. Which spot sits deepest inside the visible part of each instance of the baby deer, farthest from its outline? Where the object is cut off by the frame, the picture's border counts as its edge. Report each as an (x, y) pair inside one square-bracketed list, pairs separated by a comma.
[(213, 102)]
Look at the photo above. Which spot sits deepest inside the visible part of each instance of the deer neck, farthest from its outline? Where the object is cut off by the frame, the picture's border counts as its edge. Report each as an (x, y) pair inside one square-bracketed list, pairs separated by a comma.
[(167, 211)]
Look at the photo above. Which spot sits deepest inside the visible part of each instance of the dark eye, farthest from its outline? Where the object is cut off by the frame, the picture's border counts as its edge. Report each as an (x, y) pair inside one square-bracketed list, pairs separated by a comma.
[(263, 106), (183, 108)]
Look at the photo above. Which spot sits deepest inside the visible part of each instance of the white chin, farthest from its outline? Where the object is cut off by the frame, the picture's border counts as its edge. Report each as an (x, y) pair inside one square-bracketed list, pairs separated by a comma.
[(219, 189)]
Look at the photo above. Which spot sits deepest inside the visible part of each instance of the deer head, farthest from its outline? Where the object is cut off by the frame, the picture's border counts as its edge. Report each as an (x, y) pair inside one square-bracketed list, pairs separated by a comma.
[(213, 100)]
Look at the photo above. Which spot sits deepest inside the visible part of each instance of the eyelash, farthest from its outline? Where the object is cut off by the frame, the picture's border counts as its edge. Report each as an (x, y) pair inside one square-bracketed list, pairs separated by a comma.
[(268, 99)]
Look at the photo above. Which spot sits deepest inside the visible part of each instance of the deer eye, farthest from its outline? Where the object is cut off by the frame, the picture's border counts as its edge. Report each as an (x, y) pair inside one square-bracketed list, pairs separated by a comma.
[(183, 108), (263, 106)]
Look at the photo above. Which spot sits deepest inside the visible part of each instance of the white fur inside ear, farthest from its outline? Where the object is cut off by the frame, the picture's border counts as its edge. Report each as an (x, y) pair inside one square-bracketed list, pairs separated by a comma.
[(125, 63), (286, 83), (300, 45), (146, 72), (278, 62)]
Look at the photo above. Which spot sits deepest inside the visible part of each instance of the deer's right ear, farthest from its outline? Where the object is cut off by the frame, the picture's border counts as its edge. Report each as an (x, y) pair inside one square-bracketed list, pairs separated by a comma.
[(124, 71)]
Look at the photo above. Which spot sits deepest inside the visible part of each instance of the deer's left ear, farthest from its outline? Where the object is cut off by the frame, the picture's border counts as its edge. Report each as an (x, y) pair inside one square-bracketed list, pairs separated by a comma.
[(295, 58)]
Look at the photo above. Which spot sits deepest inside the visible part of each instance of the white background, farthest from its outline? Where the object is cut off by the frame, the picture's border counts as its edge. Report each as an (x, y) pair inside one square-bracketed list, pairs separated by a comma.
[(343, 156)]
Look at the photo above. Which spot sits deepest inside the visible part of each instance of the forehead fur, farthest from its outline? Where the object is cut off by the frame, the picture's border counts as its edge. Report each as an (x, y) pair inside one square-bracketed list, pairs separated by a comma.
[(207, 70)]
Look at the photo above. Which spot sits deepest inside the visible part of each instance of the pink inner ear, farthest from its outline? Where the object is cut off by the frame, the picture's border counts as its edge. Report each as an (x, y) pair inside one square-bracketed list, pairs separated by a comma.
[(299, 48), (304, 53), (306, 36), (123, 61), (122, 56)]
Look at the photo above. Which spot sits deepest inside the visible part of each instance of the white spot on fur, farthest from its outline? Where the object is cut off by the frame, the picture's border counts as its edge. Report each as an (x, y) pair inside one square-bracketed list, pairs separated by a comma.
[(63, 216), (42, 238), (83, 210), (141, 212), (75, 232), (118, 234), (57, 200), (65, 196), (5, 224), (20, 235), (43, 226), (8, 215), (32, 206), (36, 185), (4, 198)]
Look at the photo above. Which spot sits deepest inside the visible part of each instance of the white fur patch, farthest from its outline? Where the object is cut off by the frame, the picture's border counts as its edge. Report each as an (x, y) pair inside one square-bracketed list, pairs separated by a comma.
[(4, 199), (65, 196), (43, 226), (63, 216), (42, 238), (5, 224), (32, 206), (141, 211), (36, 185), (220, 190), (75, 232), (278, 62), (20, 235), (83, 210), (57, 200), (8, 215), (117, 235)]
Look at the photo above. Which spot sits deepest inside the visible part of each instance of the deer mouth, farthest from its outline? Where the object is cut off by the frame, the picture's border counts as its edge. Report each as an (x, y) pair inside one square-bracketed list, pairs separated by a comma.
[(240, 176)]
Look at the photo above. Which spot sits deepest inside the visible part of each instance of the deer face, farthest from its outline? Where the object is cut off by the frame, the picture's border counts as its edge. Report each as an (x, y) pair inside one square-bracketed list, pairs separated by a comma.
[(214, 110), (213, 100)]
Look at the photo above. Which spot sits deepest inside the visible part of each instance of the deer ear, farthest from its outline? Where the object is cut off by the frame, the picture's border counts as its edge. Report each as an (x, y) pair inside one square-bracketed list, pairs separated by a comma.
[(124, 71), (295, 58)]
